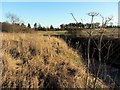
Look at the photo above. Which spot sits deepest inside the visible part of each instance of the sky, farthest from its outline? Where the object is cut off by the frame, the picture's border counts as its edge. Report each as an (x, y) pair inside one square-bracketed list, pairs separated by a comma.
[(56, 13), (59, 0)]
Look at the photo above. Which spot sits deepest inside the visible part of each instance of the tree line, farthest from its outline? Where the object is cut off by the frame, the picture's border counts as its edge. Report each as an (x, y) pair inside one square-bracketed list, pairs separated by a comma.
[(14, 24)]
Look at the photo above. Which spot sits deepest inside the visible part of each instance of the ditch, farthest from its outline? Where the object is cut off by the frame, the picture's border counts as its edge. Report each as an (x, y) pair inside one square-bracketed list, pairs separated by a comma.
[(110, 56)]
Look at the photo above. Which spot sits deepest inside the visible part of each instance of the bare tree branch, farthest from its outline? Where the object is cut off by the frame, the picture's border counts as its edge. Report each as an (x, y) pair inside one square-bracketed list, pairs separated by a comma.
[(74, 17), (12, 17)]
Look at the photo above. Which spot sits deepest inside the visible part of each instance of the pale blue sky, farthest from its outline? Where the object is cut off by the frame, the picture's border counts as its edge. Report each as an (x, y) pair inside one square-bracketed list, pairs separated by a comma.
[(56, 13), (59, 0)]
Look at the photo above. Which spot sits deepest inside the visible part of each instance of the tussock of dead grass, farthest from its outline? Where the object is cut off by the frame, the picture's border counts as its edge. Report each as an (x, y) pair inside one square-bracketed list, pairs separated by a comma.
[(33, 61)]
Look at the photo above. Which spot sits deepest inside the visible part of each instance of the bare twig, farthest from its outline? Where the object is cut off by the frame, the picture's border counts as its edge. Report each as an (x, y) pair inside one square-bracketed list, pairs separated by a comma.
[(74, 17)]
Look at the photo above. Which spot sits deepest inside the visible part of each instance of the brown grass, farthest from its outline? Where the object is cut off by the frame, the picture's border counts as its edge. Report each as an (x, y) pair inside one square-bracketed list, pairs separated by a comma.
[(34, 61)]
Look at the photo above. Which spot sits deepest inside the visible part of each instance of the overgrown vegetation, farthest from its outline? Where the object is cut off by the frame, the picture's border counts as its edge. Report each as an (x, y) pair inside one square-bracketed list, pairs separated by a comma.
[(33, 61), (98, 46)]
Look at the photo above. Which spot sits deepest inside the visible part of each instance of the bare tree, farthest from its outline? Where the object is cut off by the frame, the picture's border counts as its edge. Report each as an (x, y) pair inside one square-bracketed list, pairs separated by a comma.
[(12, 17)]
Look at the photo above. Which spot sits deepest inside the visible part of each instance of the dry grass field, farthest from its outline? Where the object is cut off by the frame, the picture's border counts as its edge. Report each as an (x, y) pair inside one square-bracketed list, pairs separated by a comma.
[(108, 32), (35, 61)]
